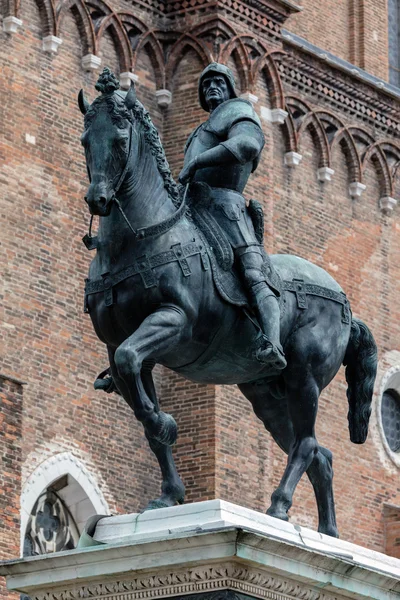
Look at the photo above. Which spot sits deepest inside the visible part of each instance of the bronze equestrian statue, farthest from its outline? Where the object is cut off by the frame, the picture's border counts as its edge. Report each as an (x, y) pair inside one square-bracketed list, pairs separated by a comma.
[(161, 289)]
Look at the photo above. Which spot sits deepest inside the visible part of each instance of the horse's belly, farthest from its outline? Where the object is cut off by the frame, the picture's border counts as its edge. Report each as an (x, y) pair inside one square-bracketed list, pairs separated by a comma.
[(223, 370), (230, 358)]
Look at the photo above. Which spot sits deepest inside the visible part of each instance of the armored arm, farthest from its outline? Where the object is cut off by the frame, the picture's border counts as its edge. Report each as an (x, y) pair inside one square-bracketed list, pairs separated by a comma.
[(244, 143)]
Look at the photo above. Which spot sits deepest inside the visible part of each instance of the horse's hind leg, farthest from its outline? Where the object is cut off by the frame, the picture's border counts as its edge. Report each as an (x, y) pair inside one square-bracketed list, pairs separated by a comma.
[(272, 410), (302, 399), (320, 473)]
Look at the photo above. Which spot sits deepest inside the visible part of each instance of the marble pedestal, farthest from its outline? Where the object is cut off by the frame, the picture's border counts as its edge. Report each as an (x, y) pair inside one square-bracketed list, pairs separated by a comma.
[(210, 550)]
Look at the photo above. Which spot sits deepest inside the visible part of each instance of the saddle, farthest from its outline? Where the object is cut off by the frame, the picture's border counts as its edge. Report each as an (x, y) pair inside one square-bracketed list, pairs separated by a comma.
[(219, 249)]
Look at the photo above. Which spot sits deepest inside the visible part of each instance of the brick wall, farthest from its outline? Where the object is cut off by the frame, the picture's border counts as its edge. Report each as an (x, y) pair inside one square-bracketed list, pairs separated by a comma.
[(10, 472), (222, 450), (355, 30)]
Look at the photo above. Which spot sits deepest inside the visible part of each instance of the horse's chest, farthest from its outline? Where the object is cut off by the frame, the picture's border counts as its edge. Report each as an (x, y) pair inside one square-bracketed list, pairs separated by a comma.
[(131, 304)]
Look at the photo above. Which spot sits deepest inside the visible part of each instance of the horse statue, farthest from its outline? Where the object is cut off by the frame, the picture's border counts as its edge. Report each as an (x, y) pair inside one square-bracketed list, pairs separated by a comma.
[(153, 298)]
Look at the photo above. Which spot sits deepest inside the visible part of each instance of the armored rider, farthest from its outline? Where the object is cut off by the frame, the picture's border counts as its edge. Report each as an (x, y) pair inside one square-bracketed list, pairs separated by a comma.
[(223, 152)]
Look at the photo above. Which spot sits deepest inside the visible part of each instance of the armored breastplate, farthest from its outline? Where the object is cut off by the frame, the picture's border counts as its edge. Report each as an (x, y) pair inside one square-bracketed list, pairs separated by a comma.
[(232, 176)]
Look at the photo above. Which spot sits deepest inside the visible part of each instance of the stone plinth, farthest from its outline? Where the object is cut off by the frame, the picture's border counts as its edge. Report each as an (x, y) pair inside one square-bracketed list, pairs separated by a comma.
[(207, 549)]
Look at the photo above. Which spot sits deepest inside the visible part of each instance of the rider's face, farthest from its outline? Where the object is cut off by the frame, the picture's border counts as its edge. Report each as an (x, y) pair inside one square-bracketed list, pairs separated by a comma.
[(215, 90)]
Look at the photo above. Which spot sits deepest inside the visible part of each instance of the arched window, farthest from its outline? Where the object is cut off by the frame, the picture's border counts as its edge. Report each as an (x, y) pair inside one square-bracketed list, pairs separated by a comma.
[(57, 499), (394, 41)]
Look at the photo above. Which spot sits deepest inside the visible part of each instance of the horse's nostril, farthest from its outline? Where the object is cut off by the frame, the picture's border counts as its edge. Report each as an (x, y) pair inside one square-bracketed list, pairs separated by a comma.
[(102, 200)]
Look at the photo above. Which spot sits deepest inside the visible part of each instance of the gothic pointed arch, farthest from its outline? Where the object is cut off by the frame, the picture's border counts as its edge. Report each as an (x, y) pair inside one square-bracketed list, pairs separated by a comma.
[(376, 156), (312, 124), (362, 138), (113, 24), (338, 135), (266, 66), (344, 139), (84, 23), (235, 50), (149, 43), (290, 134), (51, 470), (178, 50), (47, 13), (215, 32), (297, 108)]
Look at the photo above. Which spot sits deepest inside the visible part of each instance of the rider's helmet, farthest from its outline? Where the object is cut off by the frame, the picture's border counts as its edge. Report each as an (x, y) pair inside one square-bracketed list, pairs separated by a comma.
[(222, 70)]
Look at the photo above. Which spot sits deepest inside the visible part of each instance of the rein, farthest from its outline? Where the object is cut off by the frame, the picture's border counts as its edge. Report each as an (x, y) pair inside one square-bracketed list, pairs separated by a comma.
[(144, 232)]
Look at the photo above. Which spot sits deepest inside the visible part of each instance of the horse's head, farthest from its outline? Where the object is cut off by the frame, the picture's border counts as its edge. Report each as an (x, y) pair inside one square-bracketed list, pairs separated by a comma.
[(106, 140)]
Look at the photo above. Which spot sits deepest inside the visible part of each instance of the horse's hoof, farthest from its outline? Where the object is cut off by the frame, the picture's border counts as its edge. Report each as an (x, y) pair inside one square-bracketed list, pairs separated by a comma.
[(163, 502), (329, 530), (277, 514), (155, 504), (167, 429)]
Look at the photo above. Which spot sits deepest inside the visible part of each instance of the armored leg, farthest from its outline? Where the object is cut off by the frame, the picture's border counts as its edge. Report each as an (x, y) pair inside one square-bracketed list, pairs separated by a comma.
[(264, 303)]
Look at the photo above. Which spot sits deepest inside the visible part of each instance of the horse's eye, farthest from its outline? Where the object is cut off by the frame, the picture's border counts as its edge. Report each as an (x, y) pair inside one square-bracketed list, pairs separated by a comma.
[(83, 139)]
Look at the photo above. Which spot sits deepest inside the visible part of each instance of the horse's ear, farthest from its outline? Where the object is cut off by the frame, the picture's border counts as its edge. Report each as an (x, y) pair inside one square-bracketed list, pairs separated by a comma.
[(130, 98), (83, 103)]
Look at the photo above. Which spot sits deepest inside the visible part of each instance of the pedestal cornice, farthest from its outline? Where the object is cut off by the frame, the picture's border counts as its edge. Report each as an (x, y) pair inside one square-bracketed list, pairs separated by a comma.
[(202, 548)]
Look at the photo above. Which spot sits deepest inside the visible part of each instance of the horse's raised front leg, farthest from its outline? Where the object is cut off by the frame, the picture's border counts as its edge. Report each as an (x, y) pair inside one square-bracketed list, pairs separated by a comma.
[(158, 333), (302, 399)]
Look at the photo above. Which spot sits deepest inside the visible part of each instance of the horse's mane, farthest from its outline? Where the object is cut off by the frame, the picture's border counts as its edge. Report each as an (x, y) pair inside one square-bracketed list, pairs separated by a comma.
[(119, 113)]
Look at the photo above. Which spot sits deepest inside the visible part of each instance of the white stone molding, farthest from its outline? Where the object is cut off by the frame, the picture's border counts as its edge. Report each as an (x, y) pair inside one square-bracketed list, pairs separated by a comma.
[(126, 79), (11, 24), (274, 115), (51, 44), (206, 546), (164, 98), (325, 174), (292, 159), (90, 62), (250, 97), (64, 463), (356, 189), (387, 204)]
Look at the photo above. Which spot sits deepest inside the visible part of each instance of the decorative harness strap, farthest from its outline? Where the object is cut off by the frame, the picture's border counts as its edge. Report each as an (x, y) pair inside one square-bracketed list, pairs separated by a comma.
[(143, 266), (302, 290)]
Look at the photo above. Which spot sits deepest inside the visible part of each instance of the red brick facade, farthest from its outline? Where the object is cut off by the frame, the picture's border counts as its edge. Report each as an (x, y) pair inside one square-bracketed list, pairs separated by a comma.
[(10, 474), (336, 120)]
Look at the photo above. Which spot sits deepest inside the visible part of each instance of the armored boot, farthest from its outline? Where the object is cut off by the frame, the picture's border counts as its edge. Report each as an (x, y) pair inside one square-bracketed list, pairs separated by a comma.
[(265, 304), (266, 307)]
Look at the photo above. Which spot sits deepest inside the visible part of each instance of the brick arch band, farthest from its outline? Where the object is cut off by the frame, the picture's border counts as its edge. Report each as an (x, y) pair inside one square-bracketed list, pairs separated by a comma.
[(216, 39), (48, 472)]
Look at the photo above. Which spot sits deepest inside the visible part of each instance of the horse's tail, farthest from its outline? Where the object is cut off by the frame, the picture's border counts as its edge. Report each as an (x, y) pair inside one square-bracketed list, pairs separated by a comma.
[(361, 360)]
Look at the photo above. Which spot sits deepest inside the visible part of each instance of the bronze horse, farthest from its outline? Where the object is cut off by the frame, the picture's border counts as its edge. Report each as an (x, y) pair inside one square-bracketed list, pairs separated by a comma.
[(152, 299)]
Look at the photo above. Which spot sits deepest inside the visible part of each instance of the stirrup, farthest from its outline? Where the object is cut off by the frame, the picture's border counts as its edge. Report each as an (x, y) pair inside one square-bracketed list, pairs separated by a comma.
[(105, 382), (271, 354)]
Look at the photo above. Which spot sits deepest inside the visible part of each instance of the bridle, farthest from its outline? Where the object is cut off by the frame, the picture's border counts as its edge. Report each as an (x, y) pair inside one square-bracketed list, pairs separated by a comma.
[(144, 232)]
